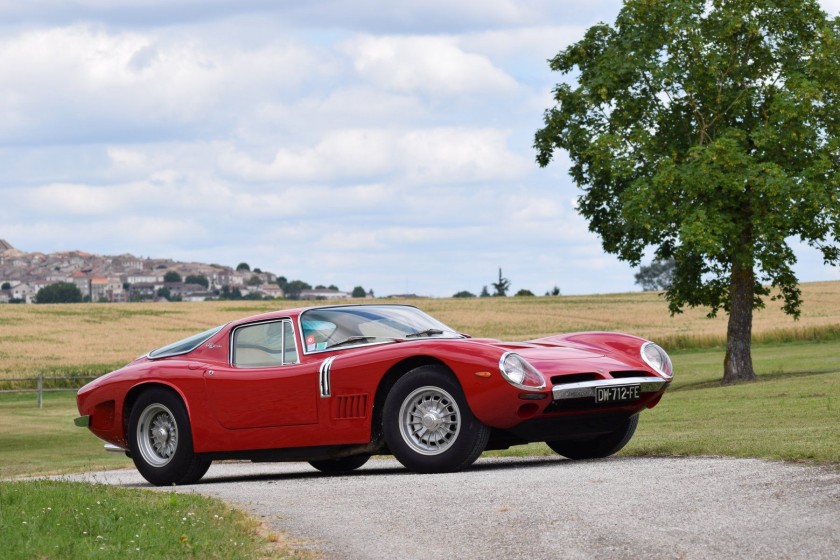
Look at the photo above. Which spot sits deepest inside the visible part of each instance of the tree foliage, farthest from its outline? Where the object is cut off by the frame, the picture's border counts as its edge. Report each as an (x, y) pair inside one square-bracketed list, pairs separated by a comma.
[(501, 286), (171, 276), (710, 131), (199, 279), (295, 287), (523, 293), (243, 266), (464, 294), (60, 292), (657, 276), (359, 292)]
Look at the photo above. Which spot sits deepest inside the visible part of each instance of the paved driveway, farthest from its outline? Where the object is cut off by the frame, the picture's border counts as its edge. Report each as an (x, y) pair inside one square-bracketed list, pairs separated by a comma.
[(541, 508)]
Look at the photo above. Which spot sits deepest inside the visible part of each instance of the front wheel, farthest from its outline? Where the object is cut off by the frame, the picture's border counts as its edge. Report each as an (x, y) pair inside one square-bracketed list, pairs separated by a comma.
[(428, 425), (160, 440), (599, 447), (340, 465)]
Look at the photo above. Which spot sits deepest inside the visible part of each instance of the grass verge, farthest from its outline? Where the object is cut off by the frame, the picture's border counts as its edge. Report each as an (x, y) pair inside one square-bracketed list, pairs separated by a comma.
[(55, 519)]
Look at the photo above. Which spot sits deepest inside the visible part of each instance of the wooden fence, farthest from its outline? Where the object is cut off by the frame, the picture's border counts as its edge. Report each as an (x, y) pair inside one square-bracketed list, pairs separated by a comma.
[(39, 387)]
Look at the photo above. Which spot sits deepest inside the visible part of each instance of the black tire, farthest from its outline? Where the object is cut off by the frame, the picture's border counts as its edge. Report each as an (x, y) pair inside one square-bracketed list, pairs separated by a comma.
[(160, 440), (447, 438), (599, 447), (340, 465)]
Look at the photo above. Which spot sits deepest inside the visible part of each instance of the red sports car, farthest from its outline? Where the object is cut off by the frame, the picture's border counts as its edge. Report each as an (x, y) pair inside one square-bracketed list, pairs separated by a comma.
[(335, 385)]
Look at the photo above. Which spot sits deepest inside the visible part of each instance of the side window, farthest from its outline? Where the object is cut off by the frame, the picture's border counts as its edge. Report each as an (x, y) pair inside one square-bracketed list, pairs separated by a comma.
[(264, 345)]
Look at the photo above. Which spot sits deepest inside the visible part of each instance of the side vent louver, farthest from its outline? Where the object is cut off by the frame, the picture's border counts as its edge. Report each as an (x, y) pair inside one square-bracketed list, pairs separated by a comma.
[(350, 406)]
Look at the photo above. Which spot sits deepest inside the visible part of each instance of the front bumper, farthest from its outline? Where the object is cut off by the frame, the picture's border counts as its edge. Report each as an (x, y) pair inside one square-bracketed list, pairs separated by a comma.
[(587, 389)]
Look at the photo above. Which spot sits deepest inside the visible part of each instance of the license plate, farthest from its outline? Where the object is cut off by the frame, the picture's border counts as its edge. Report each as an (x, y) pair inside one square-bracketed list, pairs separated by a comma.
[(623, 393)]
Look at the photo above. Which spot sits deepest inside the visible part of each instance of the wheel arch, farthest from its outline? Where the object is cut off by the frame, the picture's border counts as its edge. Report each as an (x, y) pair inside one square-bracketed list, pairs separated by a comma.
[(393, 375), (134, 393)]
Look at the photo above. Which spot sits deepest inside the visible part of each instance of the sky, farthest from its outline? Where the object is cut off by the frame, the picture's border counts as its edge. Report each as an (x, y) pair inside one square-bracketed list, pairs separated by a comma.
[(381, 144)]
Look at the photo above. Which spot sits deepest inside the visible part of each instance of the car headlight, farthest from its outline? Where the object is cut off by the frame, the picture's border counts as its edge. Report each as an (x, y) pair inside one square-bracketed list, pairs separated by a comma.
[(520, 373), (657, 358)]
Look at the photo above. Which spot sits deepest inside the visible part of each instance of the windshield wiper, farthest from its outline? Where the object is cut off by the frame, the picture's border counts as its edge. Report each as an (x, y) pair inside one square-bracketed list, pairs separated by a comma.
[(360, 338), (427, 332)]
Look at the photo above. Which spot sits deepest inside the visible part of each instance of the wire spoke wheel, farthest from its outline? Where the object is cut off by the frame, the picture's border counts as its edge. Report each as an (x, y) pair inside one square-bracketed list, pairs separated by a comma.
[(157, 435), (429, 420)]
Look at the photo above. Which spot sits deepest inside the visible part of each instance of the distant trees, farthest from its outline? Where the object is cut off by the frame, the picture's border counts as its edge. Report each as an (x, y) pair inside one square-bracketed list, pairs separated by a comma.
[(230, 293), (61, 292), (172, 276), (294, 288), (243, 266), (359, 292), (500, 289), (464, 294), (199, 279), (501, 286), (657, 276)]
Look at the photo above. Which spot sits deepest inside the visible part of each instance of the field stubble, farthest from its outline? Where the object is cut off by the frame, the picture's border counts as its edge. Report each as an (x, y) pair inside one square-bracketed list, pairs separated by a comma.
[(93, 338)]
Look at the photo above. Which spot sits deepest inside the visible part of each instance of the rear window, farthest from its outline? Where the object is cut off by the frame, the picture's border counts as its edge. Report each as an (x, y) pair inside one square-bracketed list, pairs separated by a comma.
[(184, 346)]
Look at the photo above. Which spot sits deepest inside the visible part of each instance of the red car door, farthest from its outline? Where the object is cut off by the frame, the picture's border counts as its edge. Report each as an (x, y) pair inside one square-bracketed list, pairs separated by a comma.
[(265, 385)]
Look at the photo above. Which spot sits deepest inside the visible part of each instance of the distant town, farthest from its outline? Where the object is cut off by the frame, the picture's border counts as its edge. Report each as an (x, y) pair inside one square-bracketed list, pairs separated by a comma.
[(125, 278)]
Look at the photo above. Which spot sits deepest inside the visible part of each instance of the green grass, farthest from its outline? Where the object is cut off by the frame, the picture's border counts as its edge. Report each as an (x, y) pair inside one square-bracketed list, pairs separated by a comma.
[(45, 441), (55, 519), (786, 416)]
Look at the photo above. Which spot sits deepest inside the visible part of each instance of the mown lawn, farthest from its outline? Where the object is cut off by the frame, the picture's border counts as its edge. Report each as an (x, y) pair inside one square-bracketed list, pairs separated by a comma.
[(64, 520)]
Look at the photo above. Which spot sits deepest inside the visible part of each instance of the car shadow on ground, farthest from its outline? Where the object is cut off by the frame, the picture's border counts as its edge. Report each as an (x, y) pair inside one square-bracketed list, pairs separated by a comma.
[(371, 469)]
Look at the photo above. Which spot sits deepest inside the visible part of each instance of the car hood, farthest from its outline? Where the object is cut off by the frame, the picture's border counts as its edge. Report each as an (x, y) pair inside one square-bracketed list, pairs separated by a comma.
[(556, 358)]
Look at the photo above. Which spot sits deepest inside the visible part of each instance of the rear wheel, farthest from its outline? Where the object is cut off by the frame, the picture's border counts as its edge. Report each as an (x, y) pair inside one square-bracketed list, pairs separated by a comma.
[(599, 447), (428, 425), (160, 440), (340, 465)]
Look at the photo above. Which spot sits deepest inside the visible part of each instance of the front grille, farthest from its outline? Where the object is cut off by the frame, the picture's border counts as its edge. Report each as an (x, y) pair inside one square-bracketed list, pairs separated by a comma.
[(575, 378), (626, 374)]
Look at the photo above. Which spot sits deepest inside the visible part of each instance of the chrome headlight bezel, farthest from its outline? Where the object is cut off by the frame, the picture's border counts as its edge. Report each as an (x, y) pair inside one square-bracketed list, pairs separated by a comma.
[(518, 372), (657, 358)]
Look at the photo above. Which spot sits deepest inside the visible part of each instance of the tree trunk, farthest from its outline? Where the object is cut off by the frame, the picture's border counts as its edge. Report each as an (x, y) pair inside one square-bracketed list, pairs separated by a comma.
[(737, 366)]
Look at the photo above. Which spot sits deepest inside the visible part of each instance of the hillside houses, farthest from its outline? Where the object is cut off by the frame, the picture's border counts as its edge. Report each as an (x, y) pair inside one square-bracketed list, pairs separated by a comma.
[(123, 277)]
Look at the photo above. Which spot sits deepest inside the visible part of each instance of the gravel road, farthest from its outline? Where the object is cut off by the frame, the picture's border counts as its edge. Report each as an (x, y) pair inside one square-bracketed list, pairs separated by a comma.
[(535, 508)]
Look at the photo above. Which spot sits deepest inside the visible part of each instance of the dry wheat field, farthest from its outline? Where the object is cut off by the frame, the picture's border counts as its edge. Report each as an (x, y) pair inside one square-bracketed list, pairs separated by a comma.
[(96, 337)]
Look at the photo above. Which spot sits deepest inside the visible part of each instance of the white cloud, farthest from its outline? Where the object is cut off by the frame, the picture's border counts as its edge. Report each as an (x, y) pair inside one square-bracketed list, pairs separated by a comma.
[(83, 81), (433, 66), (431, 156)]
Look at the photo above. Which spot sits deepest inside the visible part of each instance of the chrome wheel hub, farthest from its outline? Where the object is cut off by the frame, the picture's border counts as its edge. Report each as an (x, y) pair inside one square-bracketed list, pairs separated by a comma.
[(157, 435), (429, 420)]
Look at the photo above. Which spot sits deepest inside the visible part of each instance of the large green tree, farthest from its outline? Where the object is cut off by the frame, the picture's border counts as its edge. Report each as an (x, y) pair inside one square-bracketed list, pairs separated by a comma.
[(707, 132), (60, 292)]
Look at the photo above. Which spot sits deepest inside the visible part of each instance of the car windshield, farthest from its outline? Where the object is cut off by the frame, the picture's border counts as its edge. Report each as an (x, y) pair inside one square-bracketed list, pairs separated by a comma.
[(184, 346), (334, 327)]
